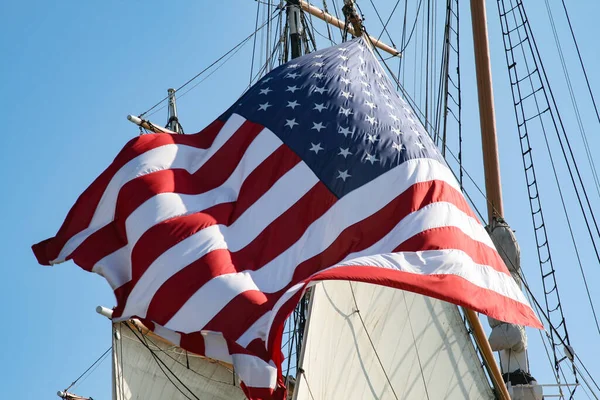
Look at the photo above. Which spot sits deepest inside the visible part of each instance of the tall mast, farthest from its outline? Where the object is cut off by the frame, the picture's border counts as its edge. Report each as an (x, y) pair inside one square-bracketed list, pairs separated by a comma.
[(491, 164), (487, 117)]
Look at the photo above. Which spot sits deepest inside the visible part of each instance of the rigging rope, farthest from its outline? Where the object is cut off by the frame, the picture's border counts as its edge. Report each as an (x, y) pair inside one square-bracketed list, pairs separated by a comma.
[(244, 41), (587, 81), (388, 21), (89, 368), (382, 23), (412, 31), (254, 44), (573, 99)]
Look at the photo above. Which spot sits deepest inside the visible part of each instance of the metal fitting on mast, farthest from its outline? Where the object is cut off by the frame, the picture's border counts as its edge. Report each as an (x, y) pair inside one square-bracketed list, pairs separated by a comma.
[(353, 17), (172, 121), (294, 21)]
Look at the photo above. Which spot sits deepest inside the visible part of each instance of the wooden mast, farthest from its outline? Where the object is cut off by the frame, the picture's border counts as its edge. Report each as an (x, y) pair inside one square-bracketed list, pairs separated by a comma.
[(490, 164), (487, 118)]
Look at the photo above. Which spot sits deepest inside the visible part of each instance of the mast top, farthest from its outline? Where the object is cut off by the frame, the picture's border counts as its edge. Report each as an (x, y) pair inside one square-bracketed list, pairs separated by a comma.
[(353, 17)]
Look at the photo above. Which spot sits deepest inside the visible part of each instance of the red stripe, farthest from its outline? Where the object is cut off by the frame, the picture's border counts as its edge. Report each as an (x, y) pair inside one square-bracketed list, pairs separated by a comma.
[(103, 242), (451, 288), (451, 237), (80, 215), (253, 393), (193, 342)]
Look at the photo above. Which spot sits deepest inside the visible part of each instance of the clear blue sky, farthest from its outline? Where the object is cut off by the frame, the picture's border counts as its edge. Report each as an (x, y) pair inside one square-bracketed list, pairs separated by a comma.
[(70, 73)]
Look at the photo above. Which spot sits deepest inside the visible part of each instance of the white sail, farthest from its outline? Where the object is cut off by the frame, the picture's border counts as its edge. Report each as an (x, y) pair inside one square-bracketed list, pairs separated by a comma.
[(137, 374), (422, 344)]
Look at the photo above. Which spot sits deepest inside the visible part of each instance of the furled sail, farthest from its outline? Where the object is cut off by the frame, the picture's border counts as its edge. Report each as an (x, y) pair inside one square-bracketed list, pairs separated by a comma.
[(146, 367), (416, 344)]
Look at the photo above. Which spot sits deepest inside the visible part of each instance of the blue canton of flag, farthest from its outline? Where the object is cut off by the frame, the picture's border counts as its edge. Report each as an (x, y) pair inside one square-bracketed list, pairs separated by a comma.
[(337, 109)]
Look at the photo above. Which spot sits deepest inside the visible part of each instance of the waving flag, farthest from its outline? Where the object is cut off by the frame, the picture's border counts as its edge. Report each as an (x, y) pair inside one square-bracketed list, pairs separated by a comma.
[(320, 171)]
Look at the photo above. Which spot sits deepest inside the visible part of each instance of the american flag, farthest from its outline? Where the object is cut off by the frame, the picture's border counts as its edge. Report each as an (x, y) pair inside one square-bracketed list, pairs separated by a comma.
[(319, 171)]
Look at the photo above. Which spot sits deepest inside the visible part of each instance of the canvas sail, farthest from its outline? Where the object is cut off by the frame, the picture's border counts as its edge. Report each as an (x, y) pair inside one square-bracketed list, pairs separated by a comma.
[(137, 374), (422, 343)]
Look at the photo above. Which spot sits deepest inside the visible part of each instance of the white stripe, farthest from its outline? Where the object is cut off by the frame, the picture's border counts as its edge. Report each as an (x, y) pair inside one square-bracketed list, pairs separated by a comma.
[(278, 273), (445, 262), (255, 372), (167, 334), (434, 215), (112, 268), (160, 158), (280, 197), (215, 346)]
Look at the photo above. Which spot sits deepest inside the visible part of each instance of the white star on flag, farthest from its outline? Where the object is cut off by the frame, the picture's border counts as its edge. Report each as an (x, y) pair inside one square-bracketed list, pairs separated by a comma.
[(398, 146), (291, 123), (371, 120), (345, 131), (343, 175), (344, 152), (371, 158), (264, 106), (319, 107), (372, 138), (345, 111), (316, 147), (318, 126), (292, 104)]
